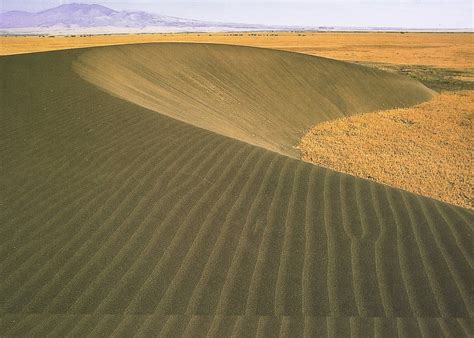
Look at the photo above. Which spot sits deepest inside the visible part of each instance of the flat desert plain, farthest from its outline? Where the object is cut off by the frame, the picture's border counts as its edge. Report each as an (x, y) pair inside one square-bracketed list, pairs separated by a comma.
[(158, 189), (447, 50)]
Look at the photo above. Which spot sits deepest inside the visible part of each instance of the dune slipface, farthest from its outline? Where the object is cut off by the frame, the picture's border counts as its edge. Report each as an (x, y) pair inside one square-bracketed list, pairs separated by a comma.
[(118, 220), (260, 96)]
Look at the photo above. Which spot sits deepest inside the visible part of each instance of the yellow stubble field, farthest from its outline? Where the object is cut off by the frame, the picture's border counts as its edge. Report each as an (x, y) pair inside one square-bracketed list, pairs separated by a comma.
[(449, 50)]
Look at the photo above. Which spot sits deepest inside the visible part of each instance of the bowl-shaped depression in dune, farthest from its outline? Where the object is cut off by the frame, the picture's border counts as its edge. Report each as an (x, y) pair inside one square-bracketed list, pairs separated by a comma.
[(263, 97)]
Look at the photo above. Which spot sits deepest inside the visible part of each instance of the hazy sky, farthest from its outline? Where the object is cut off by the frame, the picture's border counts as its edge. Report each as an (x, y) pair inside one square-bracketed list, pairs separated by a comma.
[(376, 13)]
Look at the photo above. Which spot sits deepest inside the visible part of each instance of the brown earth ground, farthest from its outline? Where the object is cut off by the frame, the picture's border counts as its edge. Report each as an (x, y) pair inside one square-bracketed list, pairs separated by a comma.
[(448, 50), (426, 149)]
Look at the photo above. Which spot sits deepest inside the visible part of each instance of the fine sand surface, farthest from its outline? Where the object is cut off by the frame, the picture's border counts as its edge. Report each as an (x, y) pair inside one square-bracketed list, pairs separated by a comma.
[(426, 149), (445, 50), (259, 96), (121, 220)]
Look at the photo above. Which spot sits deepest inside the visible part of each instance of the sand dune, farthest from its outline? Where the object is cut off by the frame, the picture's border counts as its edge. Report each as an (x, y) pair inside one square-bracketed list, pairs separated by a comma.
[(263, 97), (118, 220)]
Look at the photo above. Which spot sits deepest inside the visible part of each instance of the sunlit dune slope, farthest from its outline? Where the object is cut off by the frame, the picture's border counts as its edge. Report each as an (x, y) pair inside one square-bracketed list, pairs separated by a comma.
[(263, 97), (117, 220)]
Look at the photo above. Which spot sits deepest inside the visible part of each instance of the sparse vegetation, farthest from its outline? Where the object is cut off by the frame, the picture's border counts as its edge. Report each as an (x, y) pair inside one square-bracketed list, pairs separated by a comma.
[(426, 149), (438, 79), (439, 50)]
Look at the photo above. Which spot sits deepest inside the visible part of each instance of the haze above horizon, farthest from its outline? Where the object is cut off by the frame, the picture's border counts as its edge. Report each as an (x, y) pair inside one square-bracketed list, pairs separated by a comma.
[(350, 13)]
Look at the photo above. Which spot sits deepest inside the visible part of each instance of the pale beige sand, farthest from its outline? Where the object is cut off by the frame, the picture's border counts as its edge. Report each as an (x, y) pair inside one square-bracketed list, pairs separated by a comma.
[(260, 96)]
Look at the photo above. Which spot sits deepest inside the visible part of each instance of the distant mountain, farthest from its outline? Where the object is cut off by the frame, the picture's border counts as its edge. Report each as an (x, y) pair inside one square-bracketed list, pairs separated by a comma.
[(86, 17), (96, 19)]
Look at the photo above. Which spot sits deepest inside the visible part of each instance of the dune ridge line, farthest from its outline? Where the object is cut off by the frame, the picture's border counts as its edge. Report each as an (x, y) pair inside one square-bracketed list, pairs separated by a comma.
[(264, 97)]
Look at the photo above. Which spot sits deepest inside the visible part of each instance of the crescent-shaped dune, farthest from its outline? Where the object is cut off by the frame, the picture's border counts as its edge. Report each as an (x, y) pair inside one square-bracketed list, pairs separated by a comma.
[(263, 97), (176, 206)]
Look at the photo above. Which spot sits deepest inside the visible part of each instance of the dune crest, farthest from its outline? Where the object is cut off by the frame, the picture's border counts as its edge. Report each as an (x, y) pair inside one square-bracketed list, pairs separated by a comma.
[(263, 97)]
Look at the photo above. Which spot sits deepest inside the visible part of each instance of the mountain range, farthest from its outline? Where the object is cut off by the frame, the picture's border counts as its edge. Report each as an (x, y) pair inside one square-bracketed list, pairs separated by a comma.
[(97, 18), (79, 18)]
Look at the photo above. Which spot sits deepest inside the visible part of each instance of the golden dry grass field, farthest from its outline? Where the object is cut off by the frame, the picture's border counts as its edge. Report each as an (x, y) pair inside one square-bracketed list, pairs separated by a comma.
[(449, 50), (426, 149)]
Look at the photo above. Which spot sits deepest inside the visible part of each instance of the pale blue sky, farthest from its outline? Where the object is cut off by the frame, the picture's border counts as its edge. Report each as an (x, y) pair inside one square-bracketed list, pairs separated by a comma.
[(353, 13)]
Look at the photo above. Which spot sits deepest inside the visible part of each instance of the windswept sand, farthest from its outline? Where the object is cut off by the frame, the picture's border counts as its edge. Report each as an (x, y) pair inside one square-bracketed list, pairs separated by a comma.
[(121, 221), (427, 149), (260, 96), (448, 50)]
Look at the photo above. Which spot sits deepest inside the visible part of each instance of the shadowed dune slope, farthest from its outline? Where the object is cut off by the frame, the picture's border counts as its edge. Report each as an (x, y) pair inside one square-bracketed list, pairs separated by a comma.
[(260, 96), (116, 220)]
